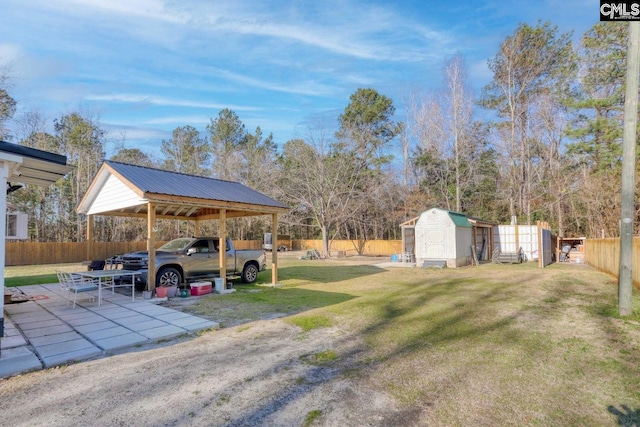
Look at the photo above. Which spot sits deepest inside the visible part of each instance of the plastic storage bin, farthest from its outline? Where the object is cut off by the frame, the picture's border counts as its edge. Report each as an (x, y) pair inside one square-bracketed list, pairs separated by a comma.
[(200, 288)]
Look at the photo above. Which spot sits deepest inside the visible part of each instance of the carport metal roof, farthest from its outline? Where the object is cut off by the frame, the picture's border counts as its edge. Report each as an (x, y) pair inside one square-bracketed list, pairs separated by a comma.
[(121, 189)]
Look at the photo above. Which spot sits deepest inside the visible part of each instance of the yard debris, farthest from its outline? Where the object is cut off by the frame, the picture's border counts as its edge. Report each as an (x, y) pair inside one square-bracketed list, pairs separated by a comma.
[(311, 254), (508, 257), (15, 295)]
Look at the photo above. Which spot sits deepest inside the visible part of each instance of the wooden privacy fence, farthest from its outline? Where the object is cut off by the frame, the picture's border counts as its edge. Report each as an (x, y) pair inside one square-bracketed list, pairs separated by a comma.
[(34, 253), (350, 247), (604, 254)]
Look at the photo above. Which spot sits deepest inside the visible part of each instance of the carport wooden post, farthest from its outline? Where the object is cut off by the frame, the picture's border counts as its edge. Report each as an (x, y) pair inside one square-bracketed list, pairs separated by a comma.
[(274, 249), (89, 237), (151, 246), (222, 245), (4, 175), (196, 227), (540, 245)]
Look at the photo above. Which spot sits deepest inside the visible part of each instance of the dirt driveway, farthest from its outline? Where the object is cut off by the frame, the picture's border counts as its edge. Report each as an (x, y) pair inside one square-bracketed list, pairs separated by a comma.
[(256, 374)]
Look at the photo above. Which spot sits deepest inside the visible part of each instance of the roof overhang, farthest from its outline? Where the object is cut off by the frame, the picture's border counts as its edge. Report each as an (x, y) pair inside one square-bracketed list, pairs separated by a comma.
[(476, 222), (410, 223), (31, 166), (188, 209)]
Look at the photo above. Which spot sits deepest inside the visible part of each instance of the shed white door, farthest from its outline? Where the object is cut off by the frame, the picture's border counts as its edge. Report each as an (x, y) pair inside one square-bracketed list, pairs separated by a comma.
[(434, 243)]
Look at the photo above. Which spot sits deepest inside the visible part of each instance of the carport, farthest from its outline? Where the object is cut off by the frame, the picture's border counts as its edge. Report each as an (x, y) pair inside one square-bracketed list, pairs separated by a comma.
[(121, 189)]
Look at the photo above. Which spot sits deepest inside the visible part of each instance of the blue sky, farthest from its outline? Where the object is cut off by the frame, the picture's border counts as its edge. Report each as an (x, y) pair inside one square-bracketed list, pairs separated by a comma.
[(145, 67)]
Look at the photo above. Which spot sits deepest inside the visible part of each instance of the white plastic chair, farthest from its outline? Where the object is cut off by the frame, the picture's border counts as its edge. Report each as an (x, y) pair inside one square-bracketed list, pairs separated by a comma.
[(76, 285), (408, 257)]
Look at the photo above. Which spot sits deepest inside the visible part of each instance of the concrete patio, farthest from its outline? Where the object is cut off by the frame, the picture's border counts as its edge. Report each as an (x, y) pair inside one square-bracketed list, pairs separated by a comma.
[(47, 331)]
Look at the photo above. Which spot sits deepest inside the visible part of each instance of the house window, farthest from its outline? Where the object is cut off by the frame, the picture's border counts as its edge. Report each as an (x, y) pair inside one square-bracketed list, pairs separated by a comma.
[(16, 226), (12, 225)]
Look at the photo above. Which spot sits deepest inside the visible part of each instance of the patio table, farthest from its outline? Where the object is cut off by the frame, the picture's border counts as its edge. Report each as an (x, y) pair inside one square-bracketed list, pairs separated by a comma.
[(99, 275)]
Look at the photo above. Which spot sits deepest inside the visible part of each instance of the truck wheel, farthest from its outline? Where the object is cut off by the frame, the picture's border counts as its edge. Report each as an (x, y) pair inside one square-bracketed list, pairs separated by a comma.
[(168, 277), (250, 273)]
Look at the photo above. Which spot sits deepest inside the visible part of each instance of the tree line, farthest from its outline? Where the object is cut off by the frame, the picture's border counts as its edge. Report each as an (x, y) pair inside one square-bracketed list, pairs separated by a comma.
[(548, 147)]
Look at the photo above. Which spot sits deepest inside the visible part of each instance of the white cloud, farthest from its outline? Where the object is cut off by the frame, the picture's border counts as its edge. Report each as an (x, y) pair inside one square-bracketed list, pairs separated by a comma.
[(134, 132), (9, 52), (162, 101), (302, 88), (144, 9), (346, 28), (178, 120)]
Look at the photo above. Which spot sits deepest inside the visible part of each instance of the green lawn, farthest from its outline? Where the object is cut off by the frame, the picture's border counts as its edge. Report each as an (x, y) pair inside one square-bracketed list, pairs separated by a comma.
[(37, 274)]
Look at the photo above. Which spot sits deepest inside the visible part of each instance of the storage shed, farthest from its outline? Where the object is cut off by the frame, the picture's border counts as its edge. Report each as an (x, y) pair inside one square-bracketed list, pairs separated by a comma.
[(443, 238)]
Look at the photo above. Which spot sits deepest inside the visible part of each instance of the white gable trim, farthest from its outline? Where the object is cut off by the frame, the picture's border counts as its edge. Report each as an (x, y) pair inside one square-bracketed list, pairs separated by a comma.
[(113, 195)]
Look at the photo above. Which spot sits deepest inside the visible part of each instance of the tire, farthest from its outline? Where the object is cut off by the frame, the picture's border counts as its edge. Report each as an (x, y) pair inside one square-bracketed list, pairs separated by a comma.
[(168, 276), (250, 273)]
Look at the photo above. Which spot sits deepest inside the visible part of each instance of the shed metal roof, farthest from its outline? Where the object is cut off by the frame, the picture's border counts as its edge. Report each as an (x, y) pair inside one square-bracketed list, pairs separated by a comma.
[(459, 220), (126, 190)]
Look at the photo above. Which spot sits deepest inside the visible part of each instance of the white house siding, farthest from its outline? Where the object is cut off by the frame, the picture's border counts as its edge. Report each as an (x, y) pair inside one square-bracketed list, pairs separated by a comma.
[(114, 195)]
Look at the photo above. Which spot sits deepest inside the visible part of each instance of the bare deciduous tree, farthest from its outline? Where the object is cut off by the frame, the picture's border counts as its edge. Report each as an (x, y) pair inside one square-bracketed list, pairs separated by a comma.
[(458, 117), (532, 61)]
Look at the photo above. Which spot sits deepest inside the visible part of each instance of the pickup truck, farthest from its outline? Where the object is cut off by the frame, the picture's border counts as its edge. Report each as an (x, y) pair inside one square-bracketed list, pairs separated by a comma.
[(188, 259)]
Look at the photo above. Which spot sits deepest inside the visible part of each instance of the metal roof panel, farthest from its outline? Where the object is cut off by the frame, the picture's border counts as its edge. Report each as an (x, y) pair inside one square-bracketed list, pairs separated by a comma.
[(159, 181)]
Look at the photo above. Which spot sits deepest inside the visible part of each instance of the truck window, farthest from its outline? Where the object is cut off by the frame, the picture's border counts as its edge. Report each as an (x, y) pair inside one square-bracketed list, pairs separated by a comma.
[(201, 246)]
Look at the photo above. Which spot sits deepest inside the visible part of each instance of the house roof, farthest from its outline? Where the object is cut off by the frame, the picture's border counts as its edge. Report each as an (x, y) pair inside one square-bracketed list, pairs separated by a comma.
[(126, 190), (32, 166)]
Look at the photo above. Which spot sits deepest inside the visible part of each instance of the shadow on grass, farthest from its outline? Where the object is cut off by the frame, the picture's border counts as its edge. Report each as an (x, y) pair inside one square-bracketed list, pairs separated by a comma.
[(304, 274), (447, 311), (452, 321), (435, 312), (626, 416), (258, 301)]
